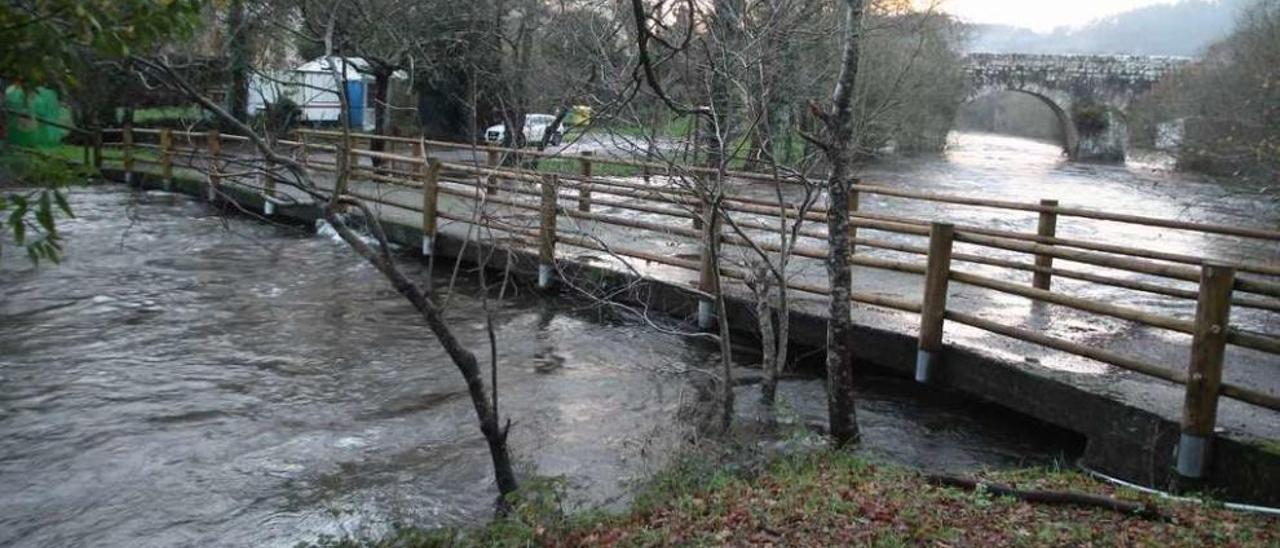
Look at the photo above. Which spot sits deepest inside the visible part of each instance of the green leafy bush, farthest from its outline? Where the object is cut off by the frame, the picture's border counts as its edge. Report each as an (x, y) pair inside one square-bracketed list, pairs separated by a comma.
[(1091, 119), (35, 193)]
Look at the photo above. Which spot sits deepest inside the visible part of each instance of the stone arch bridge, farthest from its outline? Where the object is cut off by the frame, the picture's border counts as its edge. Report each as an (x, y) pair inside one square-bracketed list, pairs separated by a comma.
[(1090, 94)]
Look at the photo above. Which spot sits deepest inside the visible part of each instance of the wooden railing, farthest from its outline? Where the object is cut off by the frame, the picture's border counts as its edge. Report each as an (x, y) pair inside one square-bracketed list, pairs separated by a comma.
[(1220, 285)]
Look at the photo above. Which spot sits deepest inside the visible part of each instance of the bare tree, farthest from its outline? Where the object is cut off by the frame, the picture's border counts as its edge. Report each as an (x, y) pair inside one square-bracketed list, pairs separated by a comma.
[(837, 143), (339, 207), (1227, 104)]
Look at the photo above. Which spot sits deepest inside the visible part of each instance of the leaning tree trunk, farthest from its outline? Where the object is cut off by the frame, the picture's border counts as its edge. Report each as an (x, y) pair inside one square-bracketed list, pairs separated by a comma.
[(494, 432), (381, 258), (842, 415)]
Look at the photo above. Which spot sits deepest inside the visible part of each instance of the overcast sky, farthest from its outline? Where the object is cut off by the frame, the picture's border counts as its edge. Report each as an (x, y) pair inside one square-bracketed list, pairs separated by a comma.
[(1041, 15)]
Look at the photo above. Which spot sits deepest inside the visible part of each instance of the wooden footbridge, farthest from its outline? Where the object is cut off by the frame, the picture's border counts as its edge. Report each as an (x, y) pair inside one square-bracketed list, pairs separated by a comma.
[(566, 206)]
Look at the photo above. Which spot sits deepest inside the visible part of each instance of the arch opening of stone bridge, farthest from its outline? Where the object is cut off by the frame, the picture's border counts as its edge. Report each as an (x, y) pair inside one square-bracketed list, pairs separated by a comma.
[(1089, 94)]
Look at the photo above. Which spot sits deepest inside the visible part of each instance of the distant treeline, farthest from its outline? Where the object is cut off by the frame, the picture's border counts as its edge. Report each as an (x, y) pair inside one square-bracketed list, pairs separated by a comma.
[(1227, 105)]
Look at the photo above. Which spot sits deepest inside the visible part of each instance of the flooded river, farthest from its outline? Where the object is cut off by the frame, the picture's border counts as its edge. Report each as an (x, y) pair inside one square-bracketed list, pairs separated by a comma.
[(185, 379), (188, 379)]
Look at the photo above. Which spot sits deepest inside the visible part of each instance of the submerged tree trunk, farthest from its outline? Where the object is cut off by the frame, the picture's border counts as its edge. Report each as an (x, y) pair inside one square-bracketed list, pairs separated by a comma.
[(783, 316), (711, 224), (768, 337), (842, 415)]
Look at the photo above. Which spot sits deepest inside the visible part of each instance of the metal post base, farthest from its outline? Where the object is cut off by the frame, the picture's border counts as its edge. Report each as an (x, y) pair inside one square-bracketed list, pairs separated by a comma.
[(926, 365), (426, 246), (546, 274), (268, 208), (1193, 455), (706, 314)]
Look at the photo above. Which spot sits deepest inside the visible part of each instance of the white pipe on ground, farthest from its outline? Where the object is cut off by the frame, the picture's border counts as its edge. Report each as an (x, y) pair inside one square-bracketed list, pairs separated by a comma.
[(1164, 495)]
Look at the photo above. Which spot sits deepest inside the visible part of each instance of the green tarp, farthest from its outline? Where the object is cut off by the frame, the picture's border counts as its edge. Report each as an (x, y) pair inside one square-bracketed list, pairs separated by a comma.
[(43, 103)]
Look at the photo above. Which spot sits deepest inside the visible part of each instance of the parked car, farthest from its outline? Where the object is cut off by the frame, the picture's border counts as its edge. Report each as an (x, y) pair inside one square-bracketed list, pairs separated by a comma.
[(535, 127)]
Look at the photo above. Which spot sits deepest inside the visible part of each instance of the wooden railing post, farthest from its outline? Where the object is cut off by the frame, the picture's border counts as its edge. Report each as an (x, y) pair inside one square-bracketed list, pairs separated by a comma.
[(708, 280), (126, 139), (491, 182), (97, 148), (353, 160), (547, 239), (853, 210), (268, 187), (584, 191), (430, 206), (303, 153), (700, 208), (215, 152), (1204, 377), (1047, 228), (934, 309), (419, 151), (166, 157)]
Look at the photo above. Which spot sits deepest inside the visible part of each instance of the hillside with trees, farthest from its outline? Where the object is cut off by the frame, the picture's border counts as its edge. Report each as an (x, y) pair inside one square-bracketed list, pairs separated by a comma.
[(1227, 106), (1185, 28)]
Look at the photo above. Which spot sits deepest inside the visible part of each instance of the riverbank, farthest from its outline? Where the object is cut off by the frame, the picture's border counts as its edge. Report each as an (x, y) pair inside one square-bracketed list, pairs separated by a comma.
[(849, 499)]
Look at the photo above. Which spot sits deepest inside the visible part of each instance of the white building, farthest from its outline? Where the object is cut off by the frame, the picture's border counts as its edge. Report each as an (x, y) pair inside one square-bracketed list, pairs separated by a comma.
[(312, 87)]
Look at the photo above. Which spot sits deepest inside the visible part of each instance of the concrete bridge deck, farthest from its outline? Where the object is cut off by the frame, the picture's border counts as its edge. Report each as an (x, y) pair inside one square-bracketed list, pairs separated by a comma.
[(1131, 420)]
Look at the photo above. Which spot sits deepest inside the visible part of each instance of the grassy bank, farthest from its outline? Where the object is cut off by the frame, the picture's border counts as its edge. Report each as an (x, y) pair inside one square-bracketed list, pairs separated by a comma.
[(833, 498)]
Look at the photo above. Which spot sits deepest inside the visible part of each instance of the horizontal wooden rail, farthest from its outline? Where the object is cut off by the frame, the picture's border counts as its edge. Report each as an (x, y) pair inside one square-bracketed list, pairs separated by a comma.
[(1124, 263), (1086, 305), (1069, 347), (1239, 338), (1210, 228), (1273, 306)]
